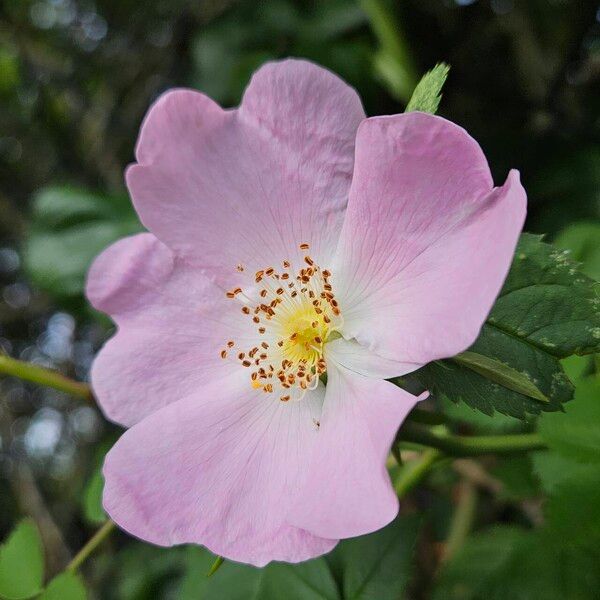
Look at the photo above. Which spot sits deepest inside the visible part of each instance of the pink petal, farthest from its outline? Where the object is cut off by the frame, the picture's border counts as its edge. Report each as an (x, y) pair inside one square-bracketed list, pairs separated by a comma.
[(348, 492), (248, 186), (426, 243), (172, 322), (128, 274), (219, 468), (359, 359)]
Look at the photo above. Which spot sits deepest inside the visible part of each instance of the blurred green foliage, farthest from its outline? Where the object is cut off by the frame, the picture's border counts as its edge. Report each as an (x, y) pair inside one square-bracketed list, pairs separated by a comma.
[(21, 563), (76, 77), (559, 559)]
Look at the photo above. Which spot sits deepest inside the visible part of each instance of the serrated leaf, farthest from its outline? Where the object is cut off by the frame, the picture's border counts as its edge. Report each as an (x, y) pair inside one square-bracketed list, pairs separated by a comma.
[(428, 93), (478, 421), (455, 382), (21, 563), (501, 373), (576, 433), (69, 227), (546, 310), (547, 302), (66, 586)]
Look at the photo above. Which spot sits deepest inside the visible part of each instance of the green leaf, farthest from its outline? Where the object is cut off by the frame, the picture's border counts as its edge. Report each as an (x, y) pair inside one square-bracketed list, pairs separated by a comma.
[(577, 367), (479, 566), (450, 380), (145, 572), (553, 468), (581, 239), (508, 562), (573, 510), (576, 434), (310, 580), (21, 563), (501, 373), (372, 566), (92, 498), (69, 227), (428, 93), (547, 310), (377, 565), (66, 586), (477, 421), (547, 302), (517, 477)]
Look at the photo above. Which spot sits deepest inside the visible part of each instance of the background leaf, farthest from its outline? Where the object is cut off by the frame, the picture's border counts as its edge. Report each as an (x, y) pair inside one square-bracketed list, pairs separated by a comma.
[(66, 586), (510, 562), (368, 567), (69, 228), (581, 239), (21, 563), (92, 498), (552, 468), (576, 434), (377, 565), (311, 580)]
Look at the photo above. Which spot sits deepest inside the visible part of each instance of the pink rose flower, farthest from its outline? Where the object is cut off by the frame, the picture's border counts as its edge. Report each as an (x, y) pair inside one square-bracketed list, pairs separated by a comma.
[(289, 238)]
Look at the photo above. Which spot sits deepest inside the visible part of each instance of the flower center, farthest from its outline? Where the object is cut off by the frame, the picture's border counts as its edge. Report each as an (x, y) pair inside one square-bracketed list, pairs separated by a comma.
[(294, 314)]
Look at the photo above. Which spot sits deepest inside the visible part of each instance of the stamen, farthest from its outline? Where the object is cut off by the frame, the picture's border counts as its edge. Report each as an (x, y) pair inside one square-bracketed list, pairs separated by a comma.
[(296, 319)]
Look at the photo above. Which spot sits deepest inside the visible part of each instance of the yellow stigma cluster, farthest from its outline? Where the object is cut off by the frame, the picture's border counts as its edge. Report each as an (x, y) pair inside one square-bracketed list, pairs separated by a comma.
[(294, 314)]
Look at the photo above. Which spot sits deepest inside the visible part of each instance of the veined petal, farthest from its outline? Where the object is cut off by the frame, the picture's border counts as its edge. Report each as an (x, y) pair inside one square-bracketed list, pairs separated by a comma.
[(172, 321), (248, 186), (426, 243), (219, 468), (348, 492), (359, 359)]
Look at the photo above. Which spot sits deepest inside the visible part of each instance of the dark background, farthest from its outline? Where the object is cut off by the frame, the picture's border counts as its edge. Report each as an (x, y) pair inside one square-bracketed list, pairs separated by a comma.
[(76, 77)]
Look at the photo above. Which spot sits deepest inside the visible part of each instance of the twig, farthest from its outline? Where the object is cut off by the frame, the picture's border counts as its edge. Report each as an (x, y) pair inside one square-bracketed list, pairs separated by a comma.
[(414, 471), (462, 520), (91, 545), (458, 445), (43, 376)]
